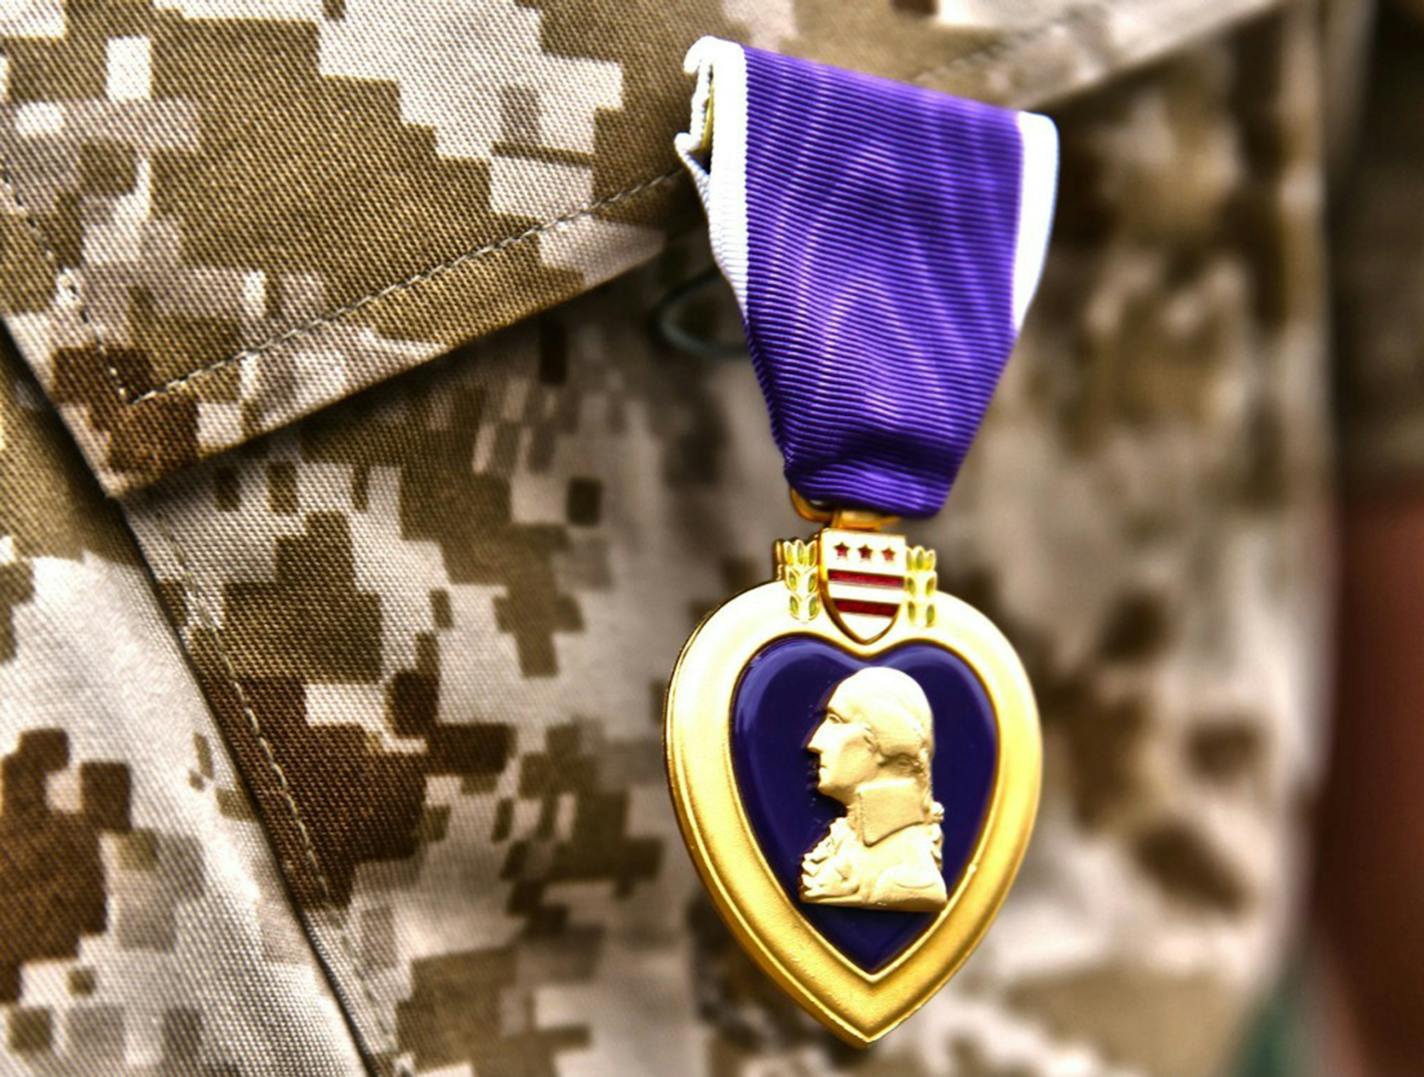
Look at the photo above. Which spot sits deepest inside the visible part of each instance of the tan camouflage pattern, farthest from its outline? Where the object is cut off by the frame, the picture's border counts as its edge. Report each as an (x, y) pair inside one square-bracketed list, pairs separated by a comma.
[(144, 927), (434, 623), (219, 215)]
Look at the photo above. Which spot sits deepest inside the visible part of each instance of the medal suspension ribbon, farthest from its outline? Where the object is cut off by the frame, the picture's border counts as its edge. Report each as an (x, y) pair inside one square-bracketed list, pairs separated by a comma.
[(883, 242)]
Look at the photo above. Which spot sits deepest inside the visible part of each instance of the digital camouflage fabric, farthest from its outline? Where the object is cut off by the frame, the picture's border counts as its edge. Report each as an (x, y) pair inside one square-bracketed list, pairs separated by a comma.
[(143, 924), (223, 214), (402, 807)]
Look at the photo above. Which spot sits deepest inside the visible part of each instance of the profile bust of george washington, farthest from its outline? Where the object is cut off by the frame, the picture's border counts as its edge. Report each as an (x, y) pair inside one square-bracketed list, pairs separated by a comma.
[(874, 747)]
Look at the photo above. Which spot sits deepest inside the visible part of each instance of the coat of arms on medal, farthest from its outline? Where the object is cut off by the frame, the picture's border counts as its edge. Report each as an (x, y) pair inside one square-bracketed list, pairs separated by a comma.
[(854, 759)]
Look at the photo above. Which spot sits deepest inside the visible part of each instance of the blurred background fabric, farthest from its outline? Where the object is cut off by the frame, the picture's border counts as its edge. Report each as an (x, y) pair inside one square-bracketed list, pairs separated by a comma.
[(369, 441), (1370, 867)]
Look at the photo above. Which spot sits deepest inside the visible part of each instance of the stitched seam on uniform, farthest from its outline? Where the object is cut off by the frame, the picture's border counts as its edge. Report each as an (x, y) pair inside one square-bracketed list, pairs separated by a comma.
[(192, 596), (416, 279), (982, 55), (65, 277), (993, 50)]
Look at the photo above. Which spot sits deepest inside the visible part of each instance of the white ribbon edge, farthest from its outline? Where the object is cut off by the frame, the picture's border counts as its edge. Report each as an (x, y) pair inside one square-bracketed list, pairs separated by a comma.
[(1039, 178), (720, 66)]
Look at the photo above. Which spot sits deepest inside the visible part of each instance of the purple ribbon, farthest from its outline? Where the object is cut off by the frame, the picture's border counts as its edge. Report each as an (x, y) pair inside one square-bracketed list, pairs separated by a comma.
[(887, 232)]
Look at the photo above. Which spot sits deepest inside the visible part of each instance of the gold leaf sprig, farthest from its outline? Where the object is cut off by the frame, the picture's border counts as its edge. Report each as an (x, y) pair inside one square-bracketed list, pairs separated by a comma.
[(921, 582), (796, 567)]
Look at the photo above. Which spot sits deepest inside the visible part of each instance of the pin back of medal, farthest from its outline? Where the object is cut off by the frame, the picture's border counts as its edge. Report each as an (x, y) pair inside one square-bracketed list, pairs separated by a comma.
[(854, 759)]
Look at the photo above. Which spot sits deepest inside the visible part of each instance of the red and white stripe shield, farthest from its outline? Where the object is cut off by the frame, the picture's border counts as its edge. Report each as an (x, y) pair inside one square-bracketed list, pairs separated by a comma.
[(862, 579)]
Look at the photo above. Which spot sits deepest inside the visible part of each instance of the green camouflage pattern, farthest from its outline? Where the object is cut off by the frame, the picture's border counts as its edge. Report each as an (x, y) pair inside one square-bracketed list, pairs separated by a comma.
[(220, 215), (421, 825)]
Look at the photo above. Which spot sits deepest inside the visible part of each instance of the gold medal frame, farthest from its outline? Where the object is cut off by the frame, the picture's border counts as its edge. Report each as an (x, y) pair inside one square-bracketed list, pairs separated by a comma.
[(858, 1006)]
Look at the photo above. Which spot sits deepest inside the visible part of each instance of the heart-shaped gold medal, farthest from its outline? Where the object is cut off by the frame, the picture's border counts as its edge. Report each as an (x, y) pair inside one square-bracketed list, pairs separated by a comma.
[(854, 759)]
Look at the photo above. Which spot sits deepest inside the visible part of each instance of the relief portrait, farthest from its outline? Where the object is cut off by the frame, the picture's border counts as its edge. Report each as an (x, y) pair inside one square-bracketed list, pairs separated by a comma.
[(874, 747)]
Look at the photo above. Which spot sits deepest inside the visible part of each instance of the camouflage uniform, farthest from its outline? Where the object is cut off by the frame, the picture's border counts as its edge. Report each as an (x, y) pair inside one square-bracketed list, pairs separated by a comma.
[(333, 631)]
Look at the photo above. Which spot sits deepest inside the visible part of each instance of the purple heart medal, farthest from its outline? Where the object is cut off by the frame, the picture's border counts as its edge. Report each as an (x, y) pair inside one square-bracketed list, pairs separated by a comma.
[(854, 755)]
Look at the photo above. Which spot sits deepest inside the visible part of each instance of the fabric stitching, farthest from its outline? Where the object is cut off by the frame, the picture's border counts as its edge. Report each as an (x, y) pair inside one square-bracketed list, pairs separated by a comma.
[(424, 276), (64, 276), (992, 50), (985, 54), (192, 597)]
